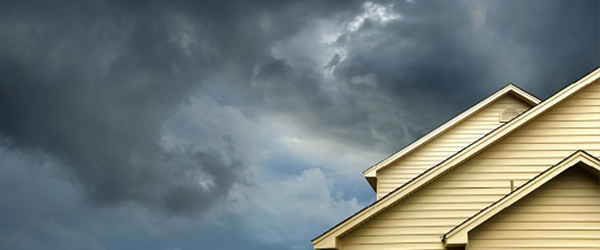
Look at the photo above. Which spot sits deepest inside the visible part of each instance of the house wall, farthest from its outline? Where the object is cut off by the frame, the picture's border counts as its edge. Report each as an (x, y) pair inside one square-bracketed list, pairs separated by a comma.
[(445, 145), (562, 214), (418, 221)]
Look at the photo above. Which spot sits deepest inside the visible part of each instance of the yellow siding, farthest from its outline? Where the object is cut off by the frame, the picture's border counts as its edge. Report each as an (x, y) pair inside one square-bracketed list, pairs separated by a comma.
[(450, 142), (562, 214), (418, 221)]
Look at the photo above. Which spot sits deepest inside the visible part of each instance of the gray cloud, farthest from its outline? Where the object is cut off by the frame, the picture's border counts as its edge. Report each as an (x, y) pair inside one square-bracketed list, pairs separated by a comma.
[(334, 61), (178, 107), (91, 84)]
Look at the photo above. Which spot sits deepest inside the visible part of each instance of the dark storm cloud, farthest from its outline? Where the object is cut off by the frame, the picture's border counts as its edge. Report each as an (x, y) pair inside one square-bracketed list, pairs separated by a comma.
[(94, 85), (556, 58), (90, 84), (441, 57)]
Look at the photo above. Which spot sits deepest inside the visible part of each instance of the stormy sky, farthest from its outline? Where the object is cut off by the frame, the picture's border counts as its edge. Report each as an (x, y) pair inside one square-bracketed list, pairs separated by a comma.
[(176, 125)]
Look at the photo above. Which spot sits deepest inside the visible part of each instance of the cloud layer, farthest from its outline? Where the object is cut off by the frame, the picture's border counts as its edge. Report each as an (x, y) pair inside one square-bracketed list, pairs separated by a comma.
[(243, 124)]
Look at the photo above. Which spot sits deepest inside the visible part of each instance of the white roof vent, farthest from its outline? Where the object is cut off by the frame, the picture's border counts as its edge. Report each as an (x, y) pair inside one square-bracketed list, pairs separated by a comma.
[(507, 114)]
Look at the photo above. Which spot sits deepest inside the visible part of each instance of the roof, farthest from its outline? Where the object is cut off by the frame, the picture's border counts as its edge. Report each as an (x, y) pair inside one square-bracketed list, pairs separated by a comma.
[(458, 236), (508, 89), (329, 238)]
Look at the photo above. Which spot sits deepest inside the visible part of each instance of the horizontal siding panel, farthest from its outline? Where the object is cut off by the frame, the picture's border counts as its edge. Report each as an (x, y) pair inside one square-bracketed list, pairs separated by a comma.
[(475, 132), (566, 124), (534, 160), (427, 215), (577, 110), (560, 243), (480, 126), (574, 139), (589, 95), (573, 192), (546, 234), (508, 146), (565, 132), (584, 102), (392, 239), (551, 217), (519, 154), (507, 169), (402, 246), (401, 231), (411, 172), (494, 176), (554, 226), (421, 162), (471, 137), (418, 222), (561, 209), (567, 200), (465, 191), (469, 123), (411, 169), (445, 183), (570, 117), (474, 207), (453, 199)]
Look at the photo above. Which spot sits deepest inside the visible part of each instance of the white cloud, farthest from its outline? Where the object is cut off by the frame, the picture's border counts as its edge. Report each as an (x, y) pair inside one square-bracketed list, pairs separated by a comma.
[(380, 14)]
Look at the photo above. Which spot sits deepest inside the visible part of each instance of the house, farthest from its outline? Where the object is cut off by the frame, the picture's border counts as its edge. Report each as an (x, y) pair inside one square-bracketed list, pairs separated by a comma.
[(512, 172)]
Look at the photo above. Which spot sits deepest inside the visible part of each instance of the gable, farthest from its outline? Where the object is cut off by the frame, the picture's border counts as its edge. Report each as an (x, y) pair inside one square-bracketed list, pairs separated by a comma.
[(563, 213), (459, 236), (447, 144), (508, 100), (487, 168)]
